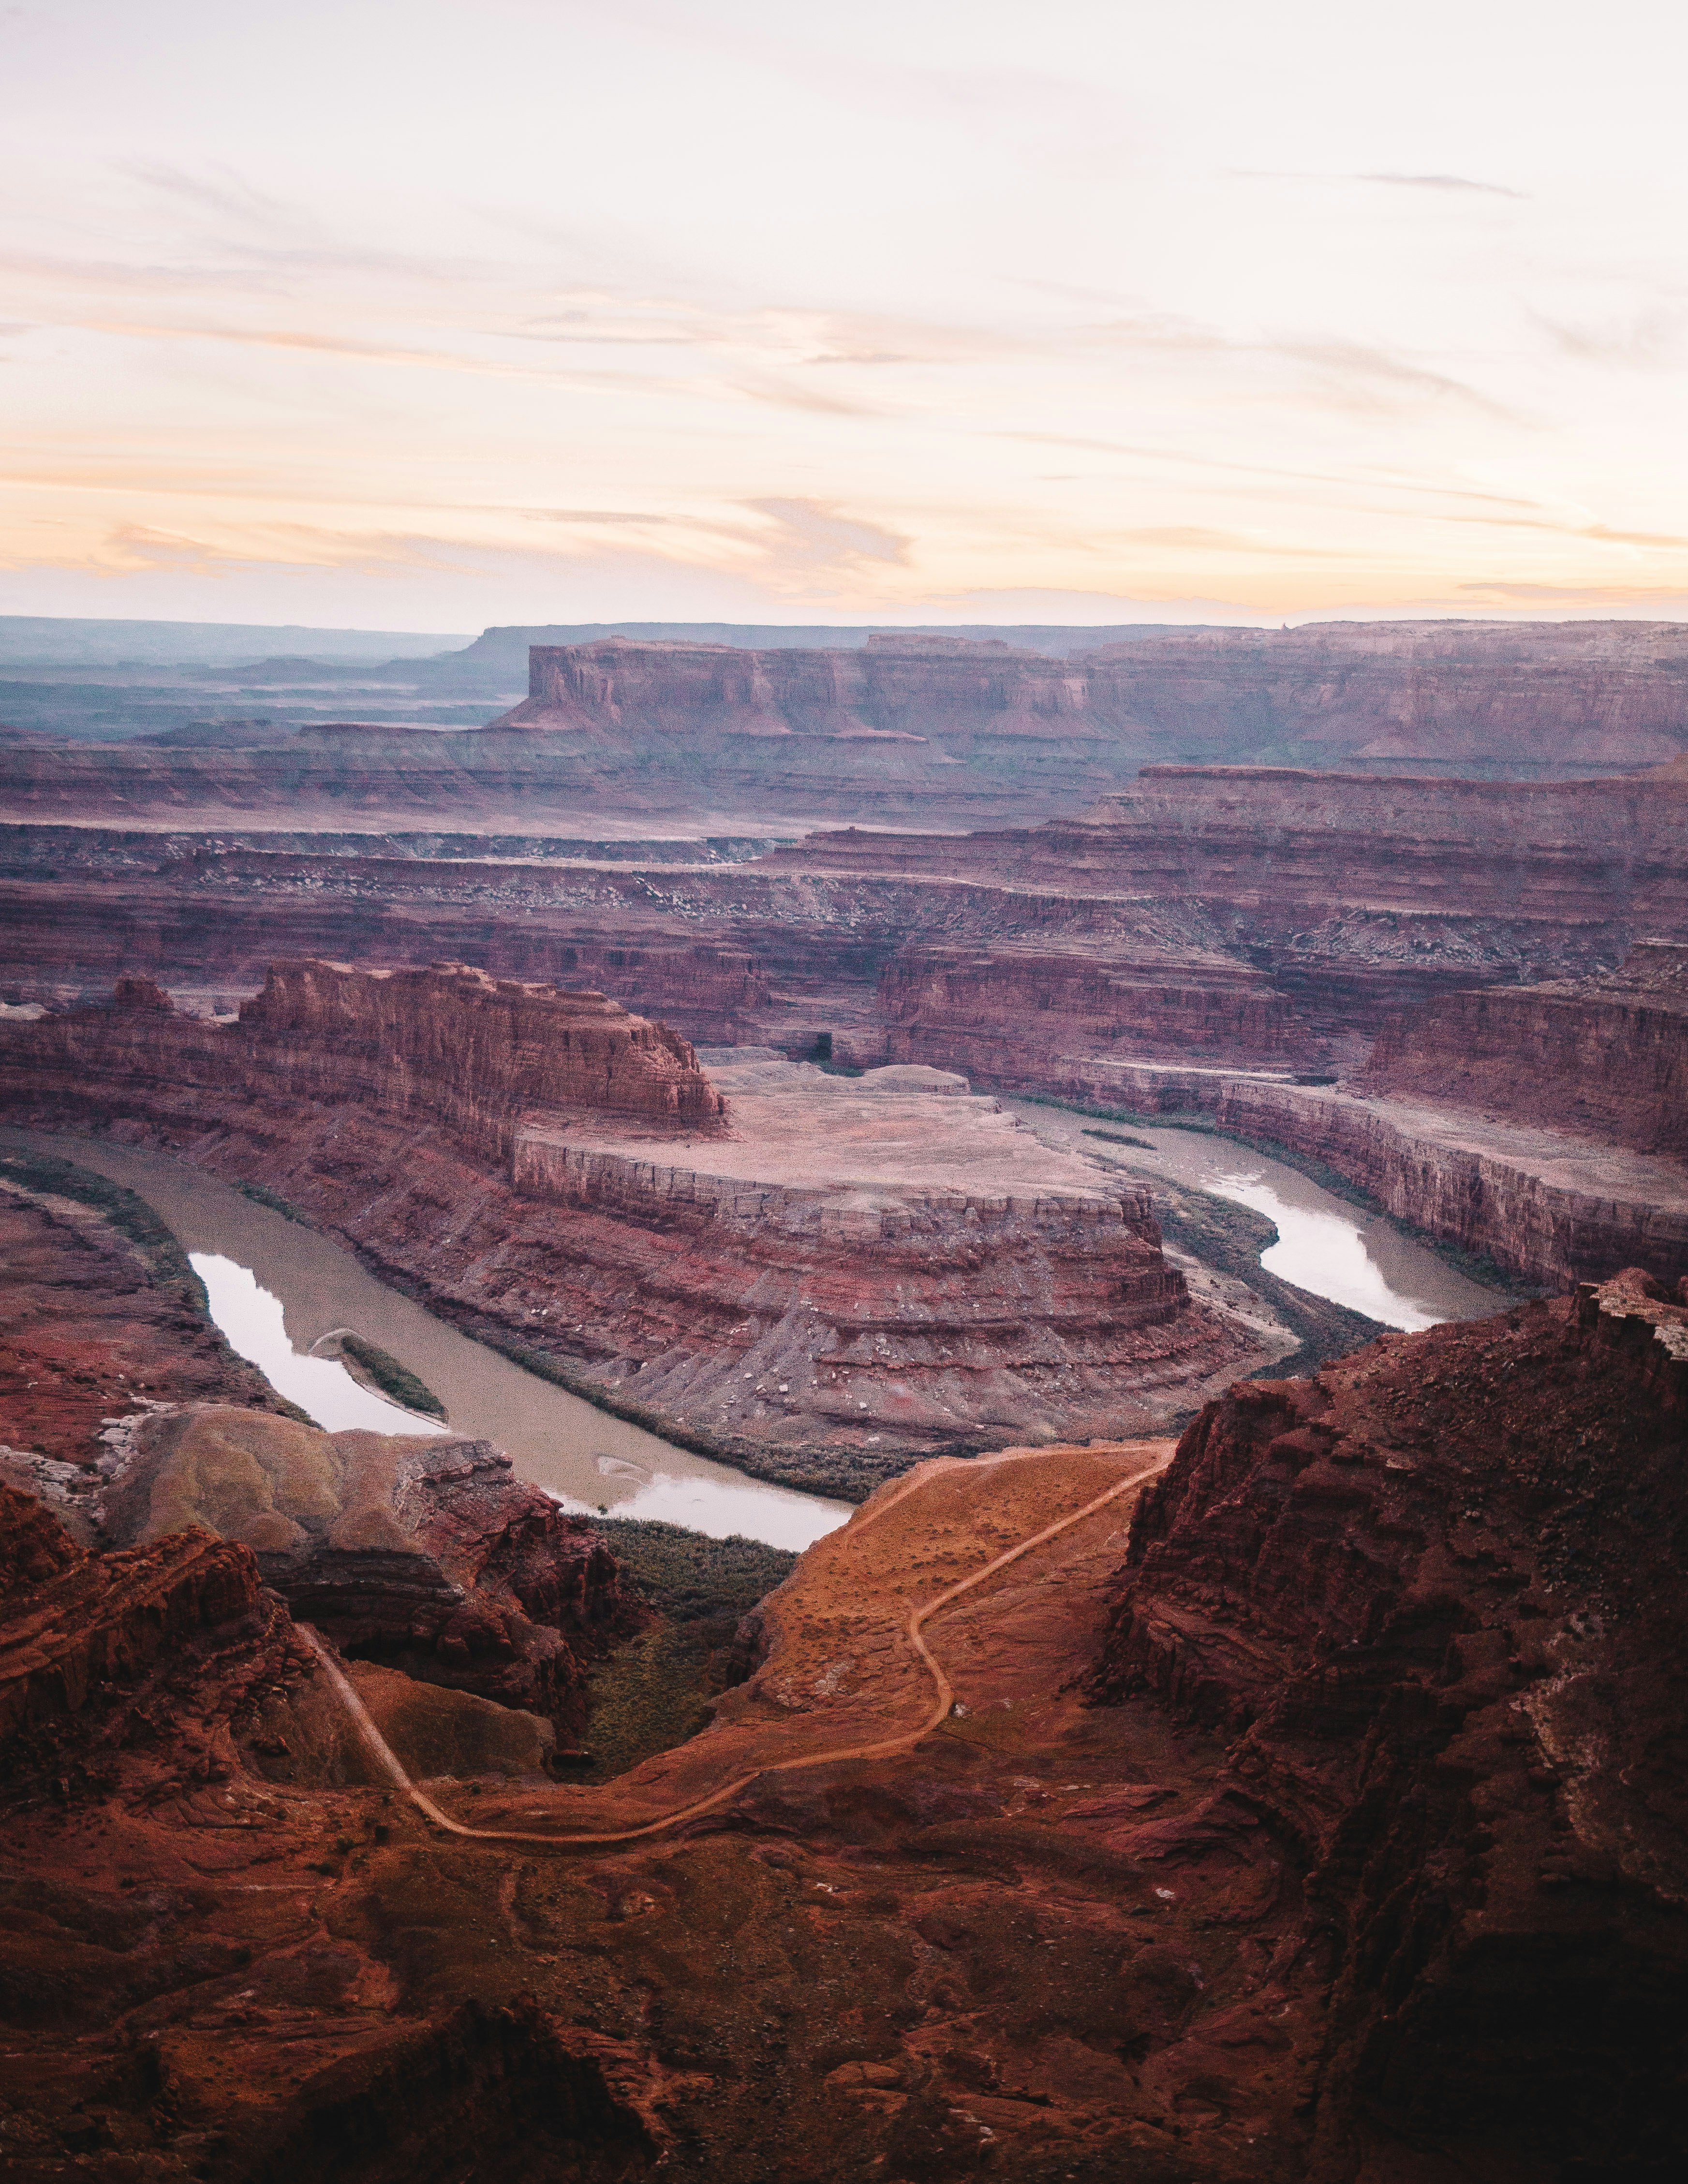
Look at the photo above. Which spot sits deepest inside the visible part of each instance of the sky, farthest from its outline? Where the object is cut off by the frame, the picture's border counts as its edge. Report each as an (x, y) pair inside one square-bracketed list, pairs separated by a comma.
[(427, 316)]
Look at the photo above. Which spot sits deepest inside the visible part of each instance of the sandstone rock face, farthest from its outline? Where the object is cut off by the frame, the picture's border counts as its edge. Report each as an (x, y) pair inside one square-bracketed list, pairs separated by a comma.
[(1579, 697), (173, 2003), (451, 1043), (1349, 895), (998, 1012), (809, 1278), (919, 730), (1431, 1597), (476, 1051), (76, 1629), (893, 689), (424, 1552), (1607, 1056)]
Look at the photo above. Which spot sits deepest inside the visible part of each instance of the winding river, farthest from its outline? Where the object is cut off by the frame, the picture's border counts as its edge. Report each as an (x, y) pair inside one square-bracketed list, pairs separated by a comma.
[(276, 1289), (1325, 1245)]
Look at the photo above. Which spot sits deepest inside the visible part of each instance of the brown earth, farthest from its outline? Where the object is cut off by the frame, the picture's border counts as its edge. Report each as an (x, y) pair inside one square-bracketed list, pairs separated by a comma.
[(97, 1328), (1357, 1860), (1431, 1598), (423, 1553)]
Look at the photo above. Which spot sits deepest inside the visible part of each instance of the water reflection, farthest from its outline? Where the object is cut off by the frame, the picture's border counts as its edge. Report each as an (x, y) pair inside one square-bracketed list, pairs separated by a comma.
[(277, 1288), (1324, 1244), (255, 1324)]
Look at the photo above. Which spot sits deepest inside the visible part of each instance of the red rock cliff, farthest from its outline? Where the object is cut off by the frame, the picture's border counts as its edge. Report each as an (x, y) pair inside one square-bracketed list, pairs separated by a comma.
[(449, 1043), (1607, 1056), (477, 1051), (1573, 697), (1434, 1597)]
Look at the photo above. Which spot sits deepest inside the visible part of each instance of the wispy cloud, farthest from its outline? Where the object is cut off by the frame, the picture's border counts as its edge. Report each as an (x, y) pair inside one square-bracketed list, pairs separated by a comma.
[(1455, 182), (1443, 182)]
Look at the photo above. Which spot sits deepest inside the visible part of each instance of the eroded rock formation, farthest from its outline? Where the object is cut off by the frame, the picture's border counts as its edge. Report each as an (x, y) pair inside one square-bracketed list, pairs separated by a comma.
[(917, 729), (1432, 1598), (1576, 696), (809, 1277), (1605, 1056), (424, 1552), (100, 1317)]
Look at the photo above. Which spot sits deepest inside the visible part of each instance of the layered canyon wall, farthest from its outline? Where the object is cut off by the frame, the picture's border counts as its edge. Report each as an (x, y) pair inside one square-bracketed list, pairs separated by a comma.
[(790, 1281), (1259, 920), (1605, 1056), (1431, 1598), (911, 729), (1529, 699)]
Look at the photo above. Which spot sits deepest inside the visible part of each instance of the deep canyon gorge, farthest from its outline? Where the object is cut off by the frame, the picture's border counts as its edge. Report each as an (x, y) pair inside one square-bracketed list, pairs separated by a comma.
[(1227, 1741)]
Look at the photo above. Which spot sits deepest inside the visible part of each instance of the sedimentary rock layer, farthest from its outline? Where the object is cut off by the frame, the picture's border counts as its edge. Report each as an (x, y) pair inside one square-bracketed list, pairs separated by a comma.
[(424, 1552), (1552, 1205), (1432, 1597), (1605, 1056), (912, 730), (449, 1043), (998, 1013), (477, 1051), (1575, 696), (809, 1277)]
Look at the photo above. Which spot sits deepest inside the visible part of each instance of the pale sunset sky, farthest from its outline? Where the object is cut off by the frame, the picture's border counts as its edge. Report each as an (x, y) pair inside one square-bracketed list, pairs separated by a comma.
[(416, 315)]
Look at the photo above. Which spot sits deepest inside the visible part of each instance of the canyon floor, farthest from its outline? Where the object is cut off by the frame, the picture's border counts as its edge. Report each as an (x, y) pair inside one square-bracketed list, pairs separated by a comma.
[(1025, 1945)]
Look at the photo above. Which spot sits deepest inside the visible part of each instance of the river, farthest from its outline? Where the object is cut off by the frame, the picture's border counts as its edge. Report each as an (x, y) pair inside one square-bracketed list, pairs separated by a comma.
[(1325, 1245), (276, 1289)]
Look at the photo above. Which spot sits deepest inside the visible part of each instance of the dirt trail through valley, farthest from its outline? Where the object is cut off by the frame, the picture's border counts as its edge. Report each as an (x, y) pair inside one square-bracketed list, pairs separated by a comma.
[(881, 1749)]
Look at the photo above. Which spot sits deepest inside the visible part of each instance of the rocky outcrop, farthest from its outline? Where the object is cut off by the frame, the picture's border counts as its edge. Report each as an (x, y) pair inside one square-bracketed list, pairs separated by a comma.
[(912, 730), (1001, 1013), (77, 1629), (478, 1052), (1575, 697), (1350, 896), (1605, 1056), (895, 687), (448, 1043), (101, 1319), (422, 1552), (1552, 1205), (1431, 1597)]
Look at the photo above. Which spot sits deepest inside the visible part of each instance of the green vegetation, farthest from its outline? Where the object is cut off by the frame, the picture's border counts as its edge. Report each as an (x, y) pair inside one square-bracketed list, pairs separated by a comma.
[(390, 1377), (261, 1195), (1119, 1138), (690, 1577), (130, 1215), (654, 1693), (660, 1689)]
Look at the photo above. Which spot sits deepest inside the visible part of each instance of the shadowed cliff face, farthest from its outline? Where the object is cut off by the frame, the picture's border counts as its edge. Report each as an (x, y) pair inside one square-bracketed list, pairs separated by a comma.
[(423, 1553), (1433, 1597), (480, 1050)]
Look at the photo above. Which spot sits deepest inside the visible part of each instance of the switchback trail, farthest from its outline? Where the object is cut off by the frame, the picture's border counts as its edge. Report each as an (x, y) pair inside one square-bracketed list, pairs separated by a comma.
[(883, 1748)]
